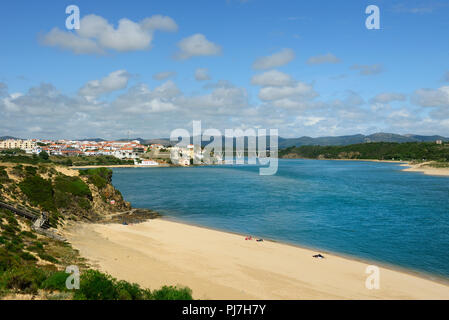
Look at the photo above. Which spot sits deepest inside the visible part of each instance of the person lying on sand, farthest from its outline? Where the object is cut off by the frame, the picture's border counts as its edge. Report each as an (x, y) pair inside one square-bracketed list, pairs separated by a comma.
[(318, 256)]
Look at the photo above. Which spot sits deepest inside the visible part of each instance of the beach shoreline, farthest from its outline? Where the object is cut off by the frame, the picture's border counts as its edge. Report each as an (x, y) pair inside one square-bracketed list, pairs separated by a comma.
[(390, 266), (223, 265), (426, 169)]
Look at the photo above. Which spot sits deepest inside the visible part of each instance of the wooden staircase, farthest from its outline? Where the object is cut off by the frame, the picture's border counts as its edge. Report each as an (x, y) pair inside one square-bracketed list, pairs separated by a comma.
[(40, 221)]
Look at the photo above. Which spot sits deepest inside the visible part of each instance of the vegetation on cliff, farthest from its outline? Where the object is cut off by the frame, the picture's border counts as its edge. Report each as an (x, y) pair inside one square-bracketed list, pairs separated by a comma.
[(33, 264), (44, 187)]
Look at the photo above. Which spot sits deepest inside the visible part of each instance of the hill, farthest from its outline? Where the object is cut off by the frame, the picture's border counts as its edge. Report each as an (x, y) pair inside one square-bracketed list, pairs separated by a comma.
[(418, 151), (356, 139)]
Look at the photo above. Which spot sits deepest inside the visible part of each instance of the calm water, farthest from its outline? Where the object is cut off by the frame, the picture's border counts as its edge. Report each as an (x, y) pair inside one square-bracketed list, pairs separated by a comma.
[(365, 209)]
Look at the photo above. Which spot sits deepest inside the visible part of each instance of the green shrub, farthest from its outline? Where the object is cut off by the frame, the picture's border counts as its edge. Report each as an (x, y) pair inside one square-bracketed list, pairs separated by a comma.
[(44, 156), (73, 185), (9, 230), (24, 279), (99, 177), (84, 204), (8, 260), (61, 199), (131, 291), (56, 282), (27, 256), (172, 293), (21, 159), (12, 221), (98, 181), (29, 234), (39, 192), (13, 246), (47, 257), (32, 171), (42, 169), (95, 285), (36, 247), (4, 178)]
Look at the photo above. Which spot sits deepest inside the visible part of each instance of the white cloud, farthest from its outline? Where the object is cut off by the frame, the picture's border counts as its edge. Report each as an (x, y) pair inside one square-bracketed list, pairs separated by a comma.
[(351, 100), (432, 97), (97, 35), (164, 75), (325, 58), (116, 80), (43, 111), (140, 99), (300, 89), (9, 104), (288, 103), (309, 121), (273, 78), (387, 97), (159, 22), (225, 99), (275, 60), (70, 41), (166, 90), (366, 70), (196, 45), (202, 74)]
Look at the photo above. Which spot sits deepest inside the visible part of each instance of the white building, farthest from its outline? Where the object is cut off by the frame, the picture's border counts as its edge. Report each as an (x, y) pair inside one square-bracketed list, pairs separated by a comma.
[(27, 145), (126, 153), (147, 163)]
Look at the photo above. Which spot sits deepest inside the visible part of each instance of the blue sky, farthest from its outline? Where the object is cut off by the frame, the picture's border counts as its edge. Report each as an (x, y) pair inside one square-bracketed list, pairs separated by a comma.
[(363, 81)]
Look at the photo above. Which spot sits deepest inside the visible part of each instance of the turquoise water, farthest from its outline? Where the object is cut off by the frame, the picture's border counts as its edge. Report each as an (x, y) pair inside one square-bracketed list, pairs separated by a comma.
[(364, 209)]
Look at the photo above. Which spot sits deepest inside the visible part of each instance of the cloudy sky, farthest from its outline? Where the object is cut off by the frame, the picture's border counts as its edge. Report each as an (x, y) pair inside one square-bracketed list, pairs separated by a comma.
[(148, 67)]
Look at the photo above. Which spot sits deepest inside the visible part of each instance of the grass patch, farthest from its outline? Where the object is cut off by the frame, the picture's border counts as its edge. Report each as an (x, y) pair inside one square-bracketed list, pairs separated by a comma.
[(56, 282), (99, 177), (4, 178), (39, 192), (72, 185)]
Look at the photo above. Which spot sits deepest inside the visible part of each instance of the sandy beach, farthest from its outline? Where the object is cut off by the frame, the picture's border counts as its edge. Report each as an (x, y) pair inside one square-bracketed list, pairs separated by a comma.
[(220, 265), (426, 169)]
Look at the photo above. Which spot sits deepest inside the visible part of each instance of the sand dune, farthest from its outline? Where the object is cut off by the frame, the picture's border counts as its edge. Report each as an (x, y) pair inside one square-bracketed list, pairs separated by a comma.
[(219, 265), (426, 169)]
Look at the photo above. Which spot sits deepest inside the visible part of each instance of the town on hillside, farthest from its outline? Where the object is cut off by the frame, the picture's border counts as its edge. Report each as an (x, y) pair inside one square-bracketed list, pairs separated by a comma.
[(143, 155)]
